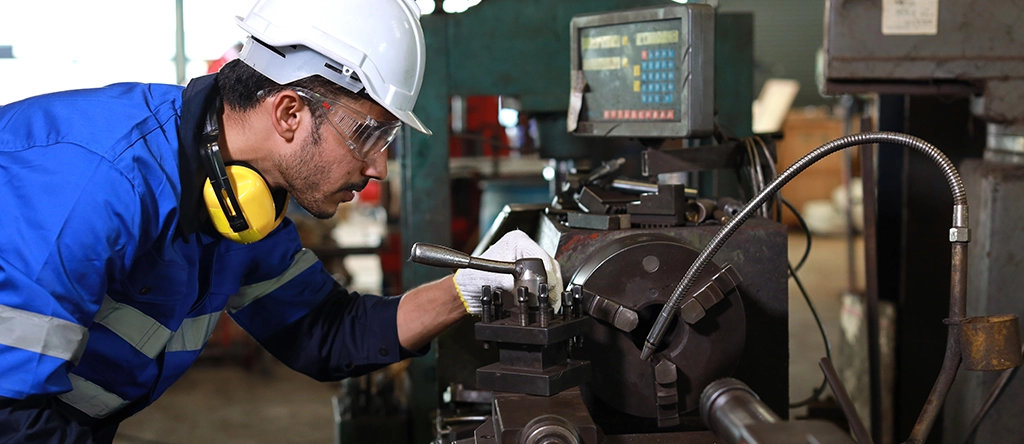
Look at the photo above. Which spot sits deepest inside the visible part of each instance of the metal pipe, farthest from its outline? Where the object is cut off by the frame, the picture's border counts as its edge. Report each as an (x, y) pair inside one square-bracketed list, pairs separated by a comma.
[(951, 362), (958, 282)]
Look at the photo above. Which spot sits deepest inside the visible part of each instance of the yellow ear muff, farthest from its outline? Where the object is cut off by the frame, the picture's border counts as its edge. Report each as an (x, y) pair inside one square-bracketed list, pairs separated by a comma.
[(255, 201)]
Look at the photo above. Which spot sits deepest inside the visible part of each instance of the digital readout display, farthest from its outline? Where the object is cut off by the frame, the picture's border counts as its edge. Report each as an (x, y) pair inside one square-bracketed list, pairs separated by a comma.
[(634, 71)]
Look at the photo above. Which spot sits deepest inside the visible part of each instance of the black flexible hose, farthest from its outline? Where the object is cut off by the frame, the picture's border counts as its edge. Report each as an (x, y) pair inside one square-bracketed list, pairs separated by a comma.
[(891, 138)]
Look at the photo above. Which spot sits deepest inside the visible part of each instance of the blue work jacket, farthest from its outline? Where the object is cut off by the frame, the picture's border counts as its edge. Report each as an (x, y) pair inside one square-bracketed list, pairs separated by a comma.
[(111, 281)]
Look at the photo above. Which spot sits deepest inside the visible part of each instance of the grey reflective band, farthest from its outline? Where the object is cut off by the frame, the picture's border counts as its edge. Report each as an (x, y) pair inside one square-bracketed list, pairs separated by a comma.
[(142, 332), (91, 399), (249, 293), (42, 334), (193, 333)]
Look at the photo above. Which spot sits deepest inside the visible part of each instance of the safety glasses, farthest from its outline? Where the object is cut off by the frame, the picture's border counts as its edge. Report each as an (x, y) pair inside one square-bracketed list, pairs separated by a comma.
[(365, 135)]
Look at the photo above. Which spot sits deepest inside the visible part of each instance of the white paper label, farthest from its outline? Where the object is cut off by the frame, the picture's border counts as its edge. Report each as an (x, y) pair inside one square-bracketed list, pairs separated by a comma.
[(910, 17)]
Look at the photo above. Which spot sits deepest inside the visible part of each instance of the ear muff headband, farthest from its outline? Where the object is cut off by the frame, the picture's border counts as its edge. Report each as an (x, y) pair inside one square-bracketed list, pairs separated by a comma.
[(241, 205)]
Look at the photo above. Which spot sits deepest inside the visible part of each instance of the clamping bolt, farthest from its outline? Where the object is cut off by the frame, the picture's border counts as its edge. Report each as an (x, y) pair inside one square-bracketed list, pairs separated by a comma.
[(499, 312), (523, 299), (485, 301), (543, 304), (566, 305)]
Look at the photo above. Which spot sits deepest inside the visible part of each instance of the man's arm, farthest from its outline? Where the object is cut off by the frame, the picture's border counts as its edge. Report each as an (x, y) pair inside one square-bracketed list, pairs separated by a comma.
[(427, 311), (301, 315), (44, 420)]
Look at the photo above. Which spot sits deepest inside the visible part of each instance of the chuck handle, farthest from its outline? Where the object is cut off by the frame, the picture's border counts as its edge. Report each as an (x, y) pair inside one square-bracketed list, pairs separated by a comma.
[(444, 257)]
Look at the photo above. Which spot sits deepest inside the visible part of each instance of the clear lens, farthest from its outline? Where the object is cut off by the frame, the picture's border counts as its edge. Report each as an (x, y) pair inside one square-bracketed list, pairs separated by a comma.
[(364, 134)]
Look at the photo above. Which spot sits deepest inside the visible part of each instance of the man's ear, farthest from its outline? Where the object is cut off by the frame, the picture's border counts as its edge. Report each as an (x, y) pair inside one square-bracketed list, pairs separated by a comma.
[(287, 107)]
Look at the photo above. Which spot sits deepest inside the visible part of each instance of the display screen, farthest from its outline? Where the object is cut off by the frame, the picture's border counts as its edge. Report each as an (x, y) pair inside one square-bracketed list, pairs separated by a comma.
[(634, 71)]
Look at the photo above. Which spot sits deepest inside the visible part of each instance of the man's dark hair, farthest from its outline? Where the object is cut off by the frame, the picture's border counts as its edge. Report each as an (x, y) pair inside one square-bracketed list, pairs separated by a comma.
[(239, 83)]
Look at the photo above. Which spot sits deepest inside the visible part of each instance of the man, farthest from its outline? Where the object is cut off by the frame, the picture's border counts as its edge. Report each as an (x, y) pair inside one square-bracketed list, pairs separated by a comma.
[(135, 213)]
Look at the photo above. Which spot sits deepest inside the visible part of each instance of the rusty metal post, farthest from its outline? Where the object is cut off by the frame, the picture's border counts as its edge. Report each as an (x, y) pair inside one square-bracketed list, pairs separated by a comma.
[(843, 397), (870, 199)]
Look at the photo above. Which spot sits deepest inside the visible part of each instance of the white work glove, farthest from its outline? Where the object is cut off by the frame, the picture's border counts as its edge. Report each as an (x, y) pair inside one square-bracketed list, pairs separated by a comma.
[(511, 247)]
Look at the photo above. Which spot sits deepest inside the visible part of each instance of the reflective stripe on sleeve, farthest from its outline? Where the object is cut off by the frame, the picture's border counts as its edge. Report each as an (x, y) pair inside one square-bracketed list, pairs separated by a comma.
[(250, 293), (142, 332), (42, 334), (193, 333), (90, 398)]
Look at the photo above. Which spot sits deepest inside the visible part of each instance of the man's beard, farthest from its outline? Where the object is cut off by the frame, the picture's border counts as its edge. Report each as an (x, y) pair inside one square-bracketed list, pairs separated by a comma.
[(300, 171)]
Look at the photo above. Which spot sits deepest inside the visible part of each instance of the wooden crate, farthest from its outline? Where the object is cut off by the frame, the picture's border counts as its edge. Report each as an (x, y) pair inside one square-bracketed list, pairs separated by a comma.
[(803, 132)]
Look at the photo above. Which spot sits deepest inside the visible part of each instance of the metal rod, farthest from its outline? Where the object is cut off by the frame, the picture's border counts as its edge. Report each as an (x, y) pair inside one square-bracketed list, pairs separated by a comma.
[(993, 395), (666, 316), (635, 186), (179, 41), (441, 256), (850, 410), (847, 176), (867, 165)]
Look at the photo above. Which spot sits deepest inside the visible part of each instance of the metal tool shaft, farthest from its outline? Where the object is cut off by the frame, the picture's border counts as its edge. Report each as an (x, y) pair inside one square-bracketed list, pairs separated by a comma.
[(439, 256)]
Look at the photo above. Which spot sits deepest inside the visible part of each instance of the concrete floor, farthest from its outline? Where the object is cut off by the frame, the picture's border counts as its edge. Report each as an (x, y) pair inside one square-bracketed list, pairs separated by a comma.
[(228, 404)]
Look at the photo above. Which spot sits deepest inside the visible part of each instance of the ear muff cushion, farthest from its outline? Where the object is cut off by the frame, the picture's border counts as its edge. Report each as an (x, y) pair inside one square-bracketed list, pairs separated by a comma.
[(255, 200)]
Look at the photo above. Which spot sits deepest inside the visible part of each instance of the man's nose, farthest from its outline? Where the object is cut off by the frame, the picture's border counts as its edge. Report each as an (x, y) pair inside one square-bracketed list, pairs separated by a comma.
[(377, 166)]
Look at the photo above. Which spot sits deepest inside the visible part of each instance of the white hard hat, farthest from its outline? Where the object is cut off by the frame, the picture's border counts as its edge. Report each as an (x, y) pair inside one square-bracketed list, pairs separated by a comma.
[(373, 44)]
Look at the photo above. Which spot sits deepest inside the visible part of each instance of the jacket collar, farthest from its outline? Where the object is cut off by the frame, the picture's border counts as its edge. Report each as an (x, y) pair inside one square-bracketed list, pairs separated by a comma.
[(197, 98)]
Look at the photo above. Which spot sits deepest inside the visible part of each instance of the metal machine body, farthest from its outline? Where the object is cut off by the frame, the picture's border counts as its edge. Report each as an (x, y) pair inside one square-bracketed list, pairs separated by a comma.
[(735, 324), (623, 246)]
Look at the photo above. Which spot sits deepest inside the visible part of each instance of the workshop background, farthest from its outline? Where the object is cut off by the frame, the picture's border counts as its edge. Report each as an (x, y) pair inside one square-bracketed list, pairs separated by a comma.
[(877, 275)]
